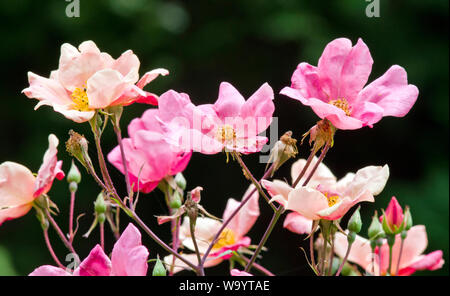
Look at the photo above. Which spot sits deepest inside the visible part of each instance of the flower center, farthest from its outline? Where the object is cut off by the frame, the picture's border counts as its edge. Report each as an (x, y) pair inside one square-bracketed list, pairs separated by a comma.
[(226, 133), (343, 105), (332, 199), (80, 100), (226, 238)]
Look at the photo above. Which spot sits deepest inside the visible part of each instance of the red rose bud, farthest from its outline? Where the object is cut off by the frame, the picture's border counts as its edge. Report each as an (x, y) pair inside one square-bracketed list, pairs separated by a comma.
[(392, 219)]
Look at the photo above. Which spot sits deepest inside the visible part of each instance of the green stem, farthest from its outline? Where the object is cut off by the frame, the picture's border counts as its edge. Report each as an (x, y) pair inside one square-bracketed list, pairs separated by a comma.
[(266, 235)]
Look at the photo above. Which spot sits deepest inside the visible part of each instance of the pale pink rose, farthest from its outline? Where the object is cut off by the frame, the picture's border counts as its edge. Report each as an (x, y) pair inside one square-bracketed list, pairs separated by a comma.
[(335, 88), (18, 186), (88, 79), (329, 199), (16, 190), (237, 272), (129, 258), (50, 168), (232, 238), (411, 260), (231, 123), (297, 223), (149, 157)]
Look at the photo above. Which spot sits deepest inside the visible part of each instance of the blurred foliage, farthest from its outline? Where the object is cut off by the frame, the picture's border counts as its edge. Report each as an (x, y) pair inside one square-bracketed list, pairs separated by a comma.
[(246, 43)]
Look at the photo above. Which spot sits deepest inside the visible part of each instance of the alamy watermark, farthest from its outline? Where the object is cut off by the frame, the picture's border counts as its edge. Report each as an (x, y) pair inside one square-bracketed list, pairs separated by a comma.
[(73, 8), (373, 8)]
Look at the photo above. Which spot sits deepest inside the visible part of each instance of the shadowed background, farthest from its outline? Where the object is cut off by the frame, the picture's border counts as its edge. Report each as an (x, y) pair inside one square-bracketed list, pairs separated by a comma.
[(245, 43)]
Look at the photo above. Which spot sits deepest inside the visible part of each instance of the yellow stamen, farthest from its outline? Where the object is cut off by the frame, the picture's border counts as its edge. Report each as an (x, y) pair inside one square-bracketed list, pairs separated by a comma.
[(80, 100), (332, 200), (226, 238), (225, 134), (342, 104)]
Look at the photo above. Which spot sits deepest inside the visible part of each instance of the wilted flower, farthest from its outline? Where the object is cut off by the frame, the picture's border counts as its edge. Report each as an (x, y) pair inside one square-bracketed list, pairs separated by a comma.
[(334, 89)]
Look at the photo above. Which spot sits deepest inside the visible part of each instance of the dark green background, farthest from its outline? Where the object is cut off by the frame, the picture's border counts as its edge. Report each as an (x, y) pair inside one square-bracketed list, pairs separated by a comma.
[(246, 43)]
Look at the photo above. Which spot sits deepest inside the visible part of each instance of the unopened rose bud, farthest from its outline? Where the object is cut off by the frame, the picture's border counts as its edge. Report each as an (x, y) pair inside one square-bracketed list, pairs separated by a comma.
[(375, 229), (99, 204), (101, 218), (175, 201), (159, 269), (392, 220), (74, 174), (408, 219), (355, 223), (180, 181), (351, 236)]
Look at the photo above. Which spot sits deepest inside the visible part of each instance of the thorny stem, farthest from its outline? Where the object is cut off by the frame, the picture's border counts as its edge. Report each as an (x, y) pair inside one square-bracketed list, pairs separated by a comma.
[(344, 260), (60, 233), (50, 249), (266, 235), (227, 221), (254, 181)]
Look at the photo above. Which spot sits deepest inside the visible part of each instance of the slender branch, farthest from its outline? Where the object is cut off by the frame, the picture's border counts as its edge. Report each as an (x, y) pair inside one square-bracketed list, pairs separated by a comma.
[(258, 267), (323, 257), (200, 270), (102, 234), (311, 249), (266, 235), (147, 230), (227, 221), (124, 162), (50, 249), (344, 260), (254, 181), (330, 264), (321, 157), (72, 207), (399, 257), (60, 233), (302, 173)]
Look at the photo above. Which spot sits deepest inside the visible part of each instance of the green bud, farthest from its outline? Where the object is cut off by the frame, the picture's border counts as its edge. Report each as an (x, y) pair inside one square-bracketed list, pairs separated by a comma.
[(403, 234), (180, 181), (101, 218), (355, 223), (100, 205), (74, 174), (73, 186), (351, 237), (116, 111), (175, 201), (408, 222), (159, 269), (375, 229)]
